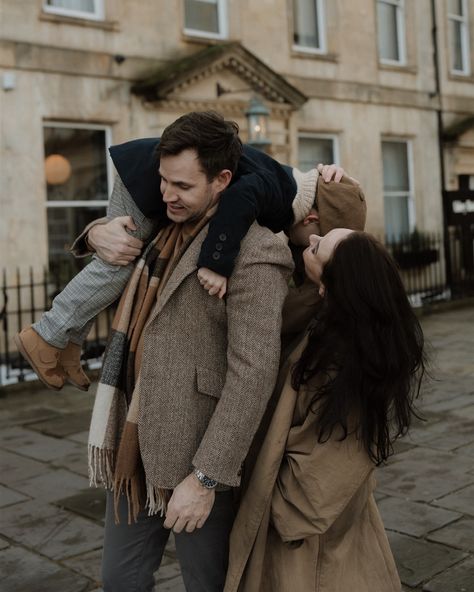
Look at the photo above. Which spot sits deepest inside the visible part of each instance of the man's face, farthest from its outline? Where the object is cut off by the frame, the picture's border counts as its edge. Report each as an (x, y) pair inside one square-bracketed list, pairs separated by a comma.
[(185, 187)]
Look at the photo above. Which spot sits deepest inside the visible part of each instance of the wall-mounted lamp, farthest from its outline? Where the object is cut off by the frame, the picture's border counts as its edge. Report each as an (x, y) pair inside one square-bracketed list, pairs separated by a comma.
[(57, 169), (257, 118)]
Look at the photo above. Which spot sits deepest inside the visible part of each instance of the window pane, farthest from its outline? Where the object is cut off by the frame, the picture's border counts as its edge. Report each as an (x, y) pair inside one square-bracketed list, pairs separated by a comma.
[(315, 150), (64, 225), (456, 7), (396, 216), (387, 31), (201, 15), (457, 61), (306, 25), (80, 5), (395, 166), (82, 151)]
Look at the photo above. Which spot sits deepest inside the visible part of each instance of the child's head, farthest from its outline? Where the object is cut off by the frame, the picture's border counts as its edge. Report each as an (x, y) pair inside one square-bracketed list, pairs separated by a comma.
[(339, 205)]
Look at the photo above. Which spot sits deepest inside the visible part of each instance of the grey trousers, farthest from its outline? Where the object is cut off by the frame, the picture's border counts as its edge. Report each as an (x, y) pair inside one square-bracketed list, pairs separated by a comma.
[(97, 286), (133, 552)]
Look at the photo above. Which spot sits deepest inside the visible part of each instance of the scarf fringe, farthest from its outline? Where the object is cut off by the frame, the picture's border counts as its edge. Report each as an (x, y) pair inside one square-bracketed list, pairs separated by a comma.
[(156, 499), (101, 463)]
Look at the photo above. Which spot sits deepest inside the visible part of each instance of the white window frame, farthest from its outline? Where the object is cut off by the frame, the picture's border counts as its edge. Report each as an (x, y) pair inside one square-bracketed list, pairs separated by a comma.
[(323, 136), (97, 15), (401, 35), (321, 24), (108, 139), (411, 192), (222, 19), (465, 43)]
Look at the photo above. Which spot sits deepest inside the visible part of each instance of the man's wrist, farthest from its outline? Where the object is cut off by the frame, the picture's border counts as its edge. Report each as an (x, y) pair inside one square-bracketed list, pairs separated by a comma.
[(204, 480)]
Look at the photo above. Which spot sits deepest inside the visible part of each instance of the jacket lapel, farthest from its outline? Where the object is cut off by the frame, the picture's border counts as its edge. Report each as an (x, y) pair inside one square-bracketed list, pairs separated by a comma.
[(186, 265)]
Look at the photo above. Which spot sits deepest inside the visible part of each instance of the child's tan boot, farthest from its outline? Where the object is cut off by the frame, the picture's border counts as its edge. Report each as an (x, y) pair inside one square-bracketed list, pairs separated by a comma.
[(71, 362), (42, 357)]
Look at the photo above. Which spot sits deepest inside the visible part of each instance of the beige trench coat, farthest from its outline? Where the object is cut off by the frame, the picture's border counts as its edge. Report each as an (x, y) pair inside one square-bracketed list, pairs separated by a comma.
[(308, 520)]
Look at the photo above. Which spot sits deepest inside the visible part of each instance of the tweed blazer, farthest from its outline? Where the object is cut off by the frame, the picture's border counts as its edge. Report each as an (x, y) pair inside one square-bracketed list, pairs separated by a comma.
[(209, 366)]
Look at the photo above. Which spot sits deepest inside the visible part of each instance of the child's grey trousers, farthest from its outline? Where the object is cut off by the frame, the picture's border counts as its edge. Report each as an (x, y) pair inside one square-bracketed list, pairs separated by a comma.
[(97, 286)]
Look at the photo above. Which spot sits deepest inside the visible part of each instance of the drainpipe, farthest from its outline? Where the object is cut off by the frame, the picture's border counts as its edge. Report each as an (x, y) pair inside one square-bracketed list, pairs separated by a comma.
[(439, 117)]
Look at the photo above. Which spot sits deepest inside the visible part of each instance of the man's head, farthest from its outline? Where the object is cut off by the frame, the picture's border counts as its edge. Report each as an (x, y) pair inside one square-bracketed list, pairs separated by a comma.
[(198, 153)]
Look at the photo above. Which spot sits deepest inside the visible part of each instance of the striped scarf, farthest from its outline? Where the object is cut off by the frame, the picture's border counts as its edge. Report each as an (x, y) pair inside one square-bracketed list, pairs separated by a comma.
[(114, 453)]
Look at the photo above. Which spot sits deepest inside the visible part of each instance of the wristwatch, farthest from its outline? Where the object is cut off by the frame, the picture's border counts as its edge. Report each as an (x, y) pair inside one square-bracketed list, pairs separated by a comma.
[(204, 480)]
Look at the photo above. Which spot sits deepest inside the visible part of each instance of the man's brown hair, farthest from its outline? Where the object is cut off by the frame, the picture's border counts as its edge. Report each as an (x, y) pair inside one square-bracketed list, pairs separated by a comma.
[(215, 140)]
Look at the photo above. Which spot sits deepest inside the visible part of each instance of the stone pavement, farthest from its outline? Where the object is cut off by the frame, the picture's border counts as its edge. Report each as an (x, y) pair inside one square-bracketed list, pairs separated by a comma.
[(51, 522)]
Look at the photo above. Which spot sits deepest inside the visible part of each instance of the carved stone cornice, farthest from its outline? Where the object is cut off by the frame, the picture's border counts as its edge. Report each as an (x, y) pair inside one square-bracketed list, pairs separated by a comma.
[(179, 75)]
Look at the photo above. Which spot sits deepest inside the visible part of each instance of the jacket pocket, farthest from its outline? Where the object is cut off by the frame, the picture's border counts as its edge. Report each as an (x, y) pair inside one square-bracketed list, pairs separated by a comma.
[(209, 382)]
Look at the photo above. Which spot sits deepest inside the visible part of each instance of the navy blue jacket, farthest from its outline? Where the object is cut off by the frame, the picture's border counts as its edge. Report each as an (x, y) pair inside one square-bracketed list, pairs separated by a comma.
[(261, 190)]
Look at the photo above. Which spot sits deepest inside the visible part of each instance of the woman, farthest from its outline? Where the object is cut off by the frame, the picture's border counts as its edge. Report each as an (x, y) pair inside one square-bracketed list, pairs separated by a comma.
[(308, 520)]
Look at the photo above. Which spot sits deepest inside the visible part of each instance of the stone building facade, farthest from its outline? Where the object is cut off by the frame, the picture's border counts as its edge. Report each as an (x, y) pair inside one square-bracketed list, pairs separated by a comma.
[(384, 87)]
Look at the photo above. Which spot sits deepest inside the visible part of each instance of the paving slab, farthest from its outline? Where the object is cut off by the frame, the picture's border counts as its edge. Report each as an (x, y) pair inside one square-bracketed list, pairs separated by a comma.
[(24, 571), (49, 530), (81, 437), (23, 416), (34, 445), (4, 544), (76, 462), (459, 578), (422, 474), (88, 502), (53, 484), (9, 496), (87, 564), (460, 534), (413, 518), (16, 468), (419, 560), (64, 425), (450, 433), (461, 501)]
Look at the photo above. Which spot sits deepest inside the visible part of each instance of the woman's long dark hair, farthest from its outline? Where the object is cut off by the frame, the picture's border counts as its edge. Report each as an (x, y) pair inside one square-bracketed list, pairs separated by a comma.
[(367, 345)]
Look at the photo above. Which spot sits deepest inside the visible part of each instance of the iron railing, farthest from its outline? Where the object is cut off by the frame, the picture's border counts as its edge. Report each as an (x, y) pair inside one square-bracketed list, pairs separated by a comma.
[(27, 294)]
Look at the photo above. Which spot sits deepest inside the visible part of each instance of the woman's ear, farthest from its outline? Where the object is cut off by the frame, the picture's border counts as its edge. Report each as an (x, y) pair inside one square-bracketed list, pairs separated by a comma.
[(322, 290)]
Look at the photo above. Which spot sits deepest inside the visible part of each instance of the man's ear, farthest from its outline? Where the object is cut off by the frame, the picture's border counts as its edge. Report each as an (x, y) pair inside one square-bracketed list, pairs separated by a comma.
[(222, 180), (322, 290)]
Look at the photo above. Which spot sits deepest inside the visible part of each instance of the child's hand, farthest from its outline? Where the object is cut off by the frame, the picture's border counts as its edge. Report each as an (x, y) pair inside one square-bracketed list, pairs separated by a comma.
[(212, 282)]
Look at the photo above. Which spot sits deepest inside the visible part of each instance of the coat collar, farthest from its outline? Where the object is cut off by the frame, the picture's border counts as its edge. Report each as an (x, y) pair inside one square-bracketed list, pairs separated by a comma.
[(186, 265)]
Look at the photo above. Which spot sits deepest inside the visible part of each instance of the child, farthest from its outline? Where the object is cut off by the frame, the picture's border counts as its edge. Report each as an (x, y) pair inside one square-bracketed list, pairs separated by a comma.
[(262, 189)]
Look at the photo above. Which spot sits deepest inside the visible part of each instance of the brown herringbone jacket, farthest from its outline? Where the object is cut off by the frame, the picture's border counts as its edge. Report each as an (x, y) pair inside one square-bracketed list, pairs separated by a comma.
[(209, 365)]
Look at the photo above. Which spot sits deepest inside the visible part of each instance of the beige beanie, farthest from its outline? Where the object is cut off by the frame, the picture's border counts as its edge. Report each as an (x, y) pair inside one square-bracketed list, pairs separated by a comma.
[(306, 193)]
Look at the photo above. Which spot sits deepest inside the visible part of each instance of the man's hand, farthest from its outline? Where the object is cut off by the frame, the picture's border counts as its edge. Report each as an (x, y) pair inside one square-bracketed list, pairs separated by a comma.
[(332, 172), (189, 506), (112, 243), (212, 282)]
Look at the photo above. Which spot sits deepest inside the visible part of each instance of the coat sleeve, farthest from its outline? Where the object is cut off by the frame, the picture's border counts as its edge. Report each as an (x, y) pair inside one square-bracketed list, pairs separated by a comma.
[(252, 197), (255, 298), (316, 483)]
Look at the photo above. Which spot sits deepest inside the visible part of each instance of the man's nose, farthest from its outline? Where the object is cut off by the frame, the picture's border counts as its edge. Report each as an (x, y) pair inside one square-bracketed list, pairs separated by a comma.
[(169, 195)]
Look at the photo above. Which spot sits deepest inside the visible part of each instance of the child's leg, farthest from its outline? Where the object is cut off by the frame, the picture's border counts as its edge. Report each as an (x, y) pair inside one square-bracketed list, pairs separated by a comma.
[(98, 285)]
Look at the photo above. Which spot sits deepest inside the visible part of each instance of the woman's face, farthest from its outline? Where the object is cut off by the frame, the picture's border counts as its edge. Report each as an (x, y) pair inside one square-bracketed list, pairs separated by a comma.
[(319, 252)]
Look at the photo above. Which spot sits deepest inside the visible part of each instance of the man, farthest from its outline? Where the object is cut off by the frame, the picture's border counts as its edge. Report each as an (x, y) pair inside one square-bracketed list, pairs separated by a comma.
[(206, 368)]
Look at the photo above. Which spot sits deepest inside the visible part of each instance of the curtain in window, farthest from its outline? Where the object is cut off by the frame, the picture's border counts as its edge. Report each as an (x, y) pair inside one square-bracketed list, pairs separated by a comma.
[(201, 15), (387, 31), (396, 183), (79, 5), (306, 26), (315, 150)]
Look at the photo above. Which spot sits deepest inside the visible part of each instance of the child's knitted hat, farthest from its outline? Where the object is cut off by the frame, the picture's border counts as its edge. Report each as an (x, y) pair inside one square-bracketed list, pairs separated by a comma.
[(305, 193)]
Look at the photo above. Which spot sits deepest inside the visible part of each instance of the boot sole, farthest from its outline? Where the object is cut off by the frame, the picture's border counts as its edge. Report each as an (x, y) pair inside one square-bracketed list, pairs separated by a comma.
[(77, 385), (24, 353)]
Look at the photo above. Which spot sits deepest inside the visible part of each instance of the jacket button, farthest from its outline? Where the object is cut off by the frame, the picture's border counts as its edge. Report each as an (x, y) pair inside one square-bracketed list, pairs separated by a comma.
[(222, 237), (219, 246), (216, 255)]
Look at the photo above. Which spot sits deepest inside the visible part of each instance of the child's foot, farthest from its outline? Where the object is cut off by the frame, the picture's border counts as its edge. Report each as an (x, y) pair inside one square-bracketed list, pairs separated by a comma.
[(42, 357), (71, 362)]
